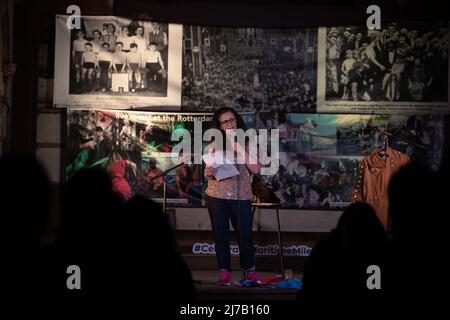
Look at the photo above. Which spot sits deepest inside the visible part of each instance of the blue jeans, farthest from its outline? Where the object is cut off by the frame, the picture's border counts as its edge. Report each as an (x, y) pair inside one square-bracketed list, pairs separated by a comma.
[(221, 211)]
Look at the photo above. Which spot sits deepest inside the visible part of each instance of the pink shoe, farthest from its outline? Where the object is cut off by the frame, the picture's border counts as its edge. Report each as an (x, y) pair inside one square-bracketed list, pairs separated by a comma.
[(224, 279), (253, 276)]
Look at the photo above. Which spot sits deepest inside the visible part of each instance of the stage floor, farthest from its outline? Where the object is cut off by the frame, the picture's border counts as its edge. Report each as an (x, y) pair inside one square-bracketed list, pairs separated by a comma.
[(207, 289)]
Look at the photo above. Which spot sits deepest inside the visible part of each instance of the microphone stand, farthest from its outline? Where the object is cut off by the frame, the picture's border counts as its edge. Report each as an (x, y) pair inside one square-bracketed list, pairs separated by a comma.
[(163, 174)]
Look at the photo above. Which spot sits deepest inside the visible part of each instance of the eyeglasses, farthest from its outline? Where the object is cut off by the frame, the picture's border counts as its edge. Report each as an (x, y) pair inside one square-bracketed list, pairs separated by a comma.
[(227, 122)]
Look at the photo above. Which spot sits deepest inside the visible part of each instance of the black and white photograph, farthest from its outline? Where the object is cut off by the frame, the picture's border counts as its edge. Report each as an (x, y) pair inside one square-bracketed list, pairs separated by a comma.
[(114, 62), (249, 69), (403, 67)]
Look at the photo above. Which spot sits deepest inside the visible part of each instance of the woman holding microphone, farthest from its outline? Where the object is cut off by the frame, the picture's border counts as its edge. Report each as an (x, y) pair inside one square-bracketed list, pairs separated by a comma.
[(230, 199)]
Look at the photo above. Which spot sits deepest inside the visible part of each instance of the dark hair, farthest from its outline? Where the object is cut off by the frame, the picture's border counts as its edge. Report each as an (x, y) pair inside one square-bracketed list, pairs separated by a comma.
[(96, 30), (103, 44), (88, 44), (133, 45), (154, 43), (118, 42), (215, 123)]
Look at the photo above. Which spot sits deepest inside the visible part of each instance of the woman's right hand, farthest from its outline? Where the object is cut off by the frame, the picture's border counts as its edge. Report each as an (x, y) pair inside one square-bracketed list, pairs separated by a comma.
[(209, 172)]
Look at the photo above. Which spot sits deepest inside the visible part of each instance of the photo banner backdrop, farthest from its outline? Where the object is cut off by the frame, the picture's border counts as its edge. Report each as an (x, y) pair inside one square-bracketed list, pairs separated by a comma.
[(117, 63), (319, 153), (136, 146), (249, 69), (400, 69)]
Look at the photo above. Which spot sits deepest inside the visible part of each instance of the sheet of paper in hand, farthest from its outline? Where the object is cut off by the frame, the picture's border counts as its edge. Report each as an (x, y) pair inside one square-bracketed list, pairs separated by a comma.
[(224, 169)]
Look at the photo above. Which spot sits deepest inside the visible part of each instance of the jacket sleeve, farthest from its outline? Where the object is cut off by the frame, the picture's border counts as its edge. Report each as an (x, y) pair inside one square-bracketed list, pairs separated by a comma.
[(358, 190)]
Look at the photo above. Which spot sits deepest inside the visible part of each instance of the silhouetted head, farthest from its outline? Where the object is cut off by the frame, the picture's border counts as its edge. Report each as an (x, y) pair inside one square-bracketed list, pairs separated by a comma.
[(25, 195), (413, 202), (90, 206), (359, 228), (147, 232), (144, 215)]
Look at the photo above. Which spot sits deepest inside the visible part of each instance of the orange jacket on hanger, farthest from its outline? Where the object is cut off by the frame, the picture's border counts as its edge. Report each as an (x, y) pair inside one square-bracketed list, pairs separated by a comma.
[(372, 180)]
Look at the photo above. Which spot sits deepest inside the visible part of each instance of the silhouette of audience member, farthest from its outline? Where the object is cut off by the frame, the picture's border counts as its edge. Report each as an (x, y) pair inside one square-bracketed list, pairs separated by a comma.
[(123, 250), (337, 266), (90, 236), (148, 234), (417, 264), (25, 201)]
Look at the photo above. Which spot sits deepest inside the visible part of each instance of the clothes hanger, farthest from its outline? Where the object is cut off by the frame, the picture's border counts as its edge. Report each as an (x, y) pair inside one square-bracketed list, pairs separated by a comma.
[(388, 134), (383, 147)]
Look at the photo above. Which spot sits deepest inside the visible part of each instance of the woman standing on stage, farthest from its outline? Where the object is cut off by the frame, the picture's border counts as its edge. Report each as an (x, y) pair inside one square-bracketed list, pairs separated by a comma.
[(230, 199)]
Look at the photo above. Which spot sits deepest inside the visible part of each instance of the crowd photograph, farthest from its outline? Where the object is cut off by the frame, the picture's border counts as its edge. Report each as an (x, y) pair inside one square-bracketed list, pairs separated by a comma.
[(400, 62), (250, 69)]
